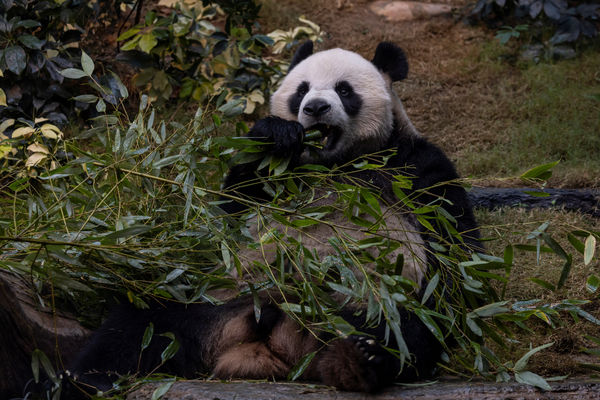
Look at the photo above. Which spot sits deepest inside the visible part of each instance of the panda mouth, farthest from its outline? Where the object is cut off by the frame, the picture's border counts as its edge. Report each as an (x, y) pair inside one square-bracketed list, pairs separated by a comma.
[(323, 136)]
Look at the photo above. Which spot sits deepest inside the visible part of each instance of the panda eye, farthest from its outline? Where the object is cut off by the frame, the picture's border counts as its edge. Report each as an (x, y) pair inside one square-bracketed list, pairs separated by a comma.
[(343, 89), (302, 89)]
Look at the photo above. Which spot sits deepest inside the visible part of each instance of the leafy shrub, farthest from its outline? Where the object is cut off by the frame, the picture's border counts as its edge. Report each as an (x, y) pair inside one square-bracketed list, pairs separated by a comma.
[(38, 39), (568, 21), (186, 54), (30, 148)]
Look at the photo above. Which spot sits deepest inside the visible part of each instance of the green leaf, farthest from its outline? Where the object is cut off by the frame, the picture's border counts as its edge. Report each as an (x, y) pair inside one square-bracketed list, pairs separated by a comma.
[(86, 63), (131, 44), (522, 363), (430, 323), (473, 326), (543, 283), (565, 271), (301, 366), (101, 106), (490, 309), (166, 161), (28, 23), (2, 99), (592, 284), (129, 33), (529, 378), (73, 73), (31, 42), (15, 59), (430, 287), (86, 98), (129, 232), (579, 246), (590, 248), (160, 391), (541, 172), (147, 42), (148, 333), (38, 357), (171, 349)]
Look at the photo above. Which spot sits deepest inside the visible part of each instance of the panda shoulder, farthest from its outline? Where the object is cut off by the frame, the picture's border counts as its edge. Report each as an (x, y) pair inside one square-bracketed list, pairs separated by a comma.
[(421, 154)]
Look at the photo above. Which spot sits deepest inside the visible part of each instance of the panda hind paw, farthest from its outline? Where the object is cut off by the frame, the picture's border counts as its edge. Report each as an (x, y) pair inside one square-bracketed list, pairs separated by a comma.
[(357, 363)]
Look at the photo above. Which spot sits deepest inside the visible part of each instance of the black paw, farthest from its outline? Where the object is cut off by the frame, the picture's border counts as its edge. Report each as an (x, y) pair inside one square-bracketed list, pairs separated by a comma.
[(357, 363), (287, 136), (373, 354)]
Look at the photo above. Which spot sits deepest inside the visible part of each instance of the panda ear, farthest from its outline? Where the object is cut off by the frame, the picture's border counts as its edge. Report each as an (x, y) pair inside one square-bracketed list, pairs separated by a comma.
[(303, 52), (391, 60)]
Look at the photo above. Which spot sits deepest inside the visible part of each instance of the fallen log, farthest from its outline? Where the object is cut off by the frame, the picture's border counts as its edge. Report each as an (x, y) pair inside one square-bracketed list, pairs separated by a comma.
[(585, 201)]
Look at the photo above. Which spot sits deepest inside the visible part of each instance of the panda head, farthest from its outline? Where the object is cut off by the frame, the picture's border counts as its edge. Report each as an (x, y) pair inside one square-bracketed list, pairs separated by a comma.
[(343, 95)]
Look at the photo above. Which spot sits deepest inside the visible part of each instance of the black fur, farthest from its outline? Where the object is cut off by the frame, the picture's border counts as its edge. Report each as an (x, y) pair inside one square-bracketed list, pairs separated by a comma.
[(390, 59), (303, 52), (114, 349)]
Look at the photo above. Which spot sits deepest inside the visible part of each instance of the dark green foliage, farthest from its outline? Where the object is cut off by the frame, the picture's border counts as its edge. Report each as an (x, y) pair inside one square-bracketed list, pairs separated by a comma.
[(184, 54), (567, 21), (34, 46), (240, 13)]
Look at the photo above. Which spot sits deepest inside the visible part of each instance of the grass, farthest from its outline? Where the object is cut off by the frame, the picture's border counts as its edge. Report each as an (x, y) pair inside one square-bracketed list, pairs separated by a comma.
[(551, 116), (511, 226)]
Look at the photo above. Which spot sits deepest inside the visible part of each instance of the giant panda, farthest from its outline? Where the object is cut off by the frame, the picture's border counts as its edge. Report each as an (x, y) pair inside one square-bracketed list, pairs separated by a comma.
[(350, 100)]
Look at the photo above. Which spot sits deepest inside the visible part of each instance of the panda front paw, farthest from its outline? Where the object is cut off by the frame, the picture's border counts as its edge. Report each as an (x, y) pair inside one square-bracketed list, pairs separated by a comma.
[(286, 135), (357, 363)]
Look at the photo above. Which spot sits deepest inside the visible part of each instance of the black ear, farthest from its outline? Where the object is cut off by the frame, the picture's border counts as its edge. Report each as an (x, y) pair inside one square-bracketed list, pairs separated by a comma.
[(391, 60), (303, 52)]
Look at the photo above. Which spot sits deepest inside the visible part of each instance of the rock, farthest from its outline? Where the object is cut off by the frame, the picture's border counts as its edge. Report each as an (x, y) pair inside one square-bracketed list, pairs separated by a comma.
[(396, 11)]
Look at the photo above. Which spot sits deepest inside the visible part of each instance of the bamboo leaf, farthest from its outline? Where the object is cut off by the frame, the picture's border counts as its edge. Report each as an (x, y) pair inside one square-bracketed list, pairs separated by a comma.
[(172, 349), (301, 366), (522, 363), (431, 286), (590, 248), (148, 333), (160, 391), (530, 378)]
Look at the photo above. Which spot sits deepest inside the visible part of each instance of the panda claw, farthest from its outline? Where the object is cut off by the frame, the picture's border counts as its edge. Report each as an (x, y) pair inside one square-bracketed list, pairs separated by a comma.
[(371, 342)]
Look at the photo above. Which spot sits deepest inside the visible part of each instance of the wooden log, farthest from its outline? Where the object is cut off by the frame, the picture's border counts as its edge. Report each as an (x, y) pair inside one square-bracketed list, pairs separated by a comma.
[(26, 326)]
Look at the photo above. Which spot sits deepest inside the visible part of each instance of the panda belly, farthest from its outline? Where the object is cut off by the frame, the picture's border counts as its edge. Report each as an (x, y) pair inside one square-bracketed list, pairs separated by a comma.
[(399, 227)]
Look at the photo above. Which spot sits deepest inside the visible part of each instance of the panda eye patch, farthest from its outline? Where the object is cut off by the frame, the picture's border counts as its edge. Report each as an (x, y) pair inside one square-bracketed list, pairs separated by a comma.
[(351, 100), (344, 89), (302, 89), (296, 98)]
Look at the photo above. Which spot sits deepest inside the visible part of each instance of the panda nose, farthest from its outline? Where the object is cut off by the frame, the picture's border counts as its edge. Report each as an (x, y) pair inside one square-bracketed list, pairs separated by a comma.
[(316, 108)]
